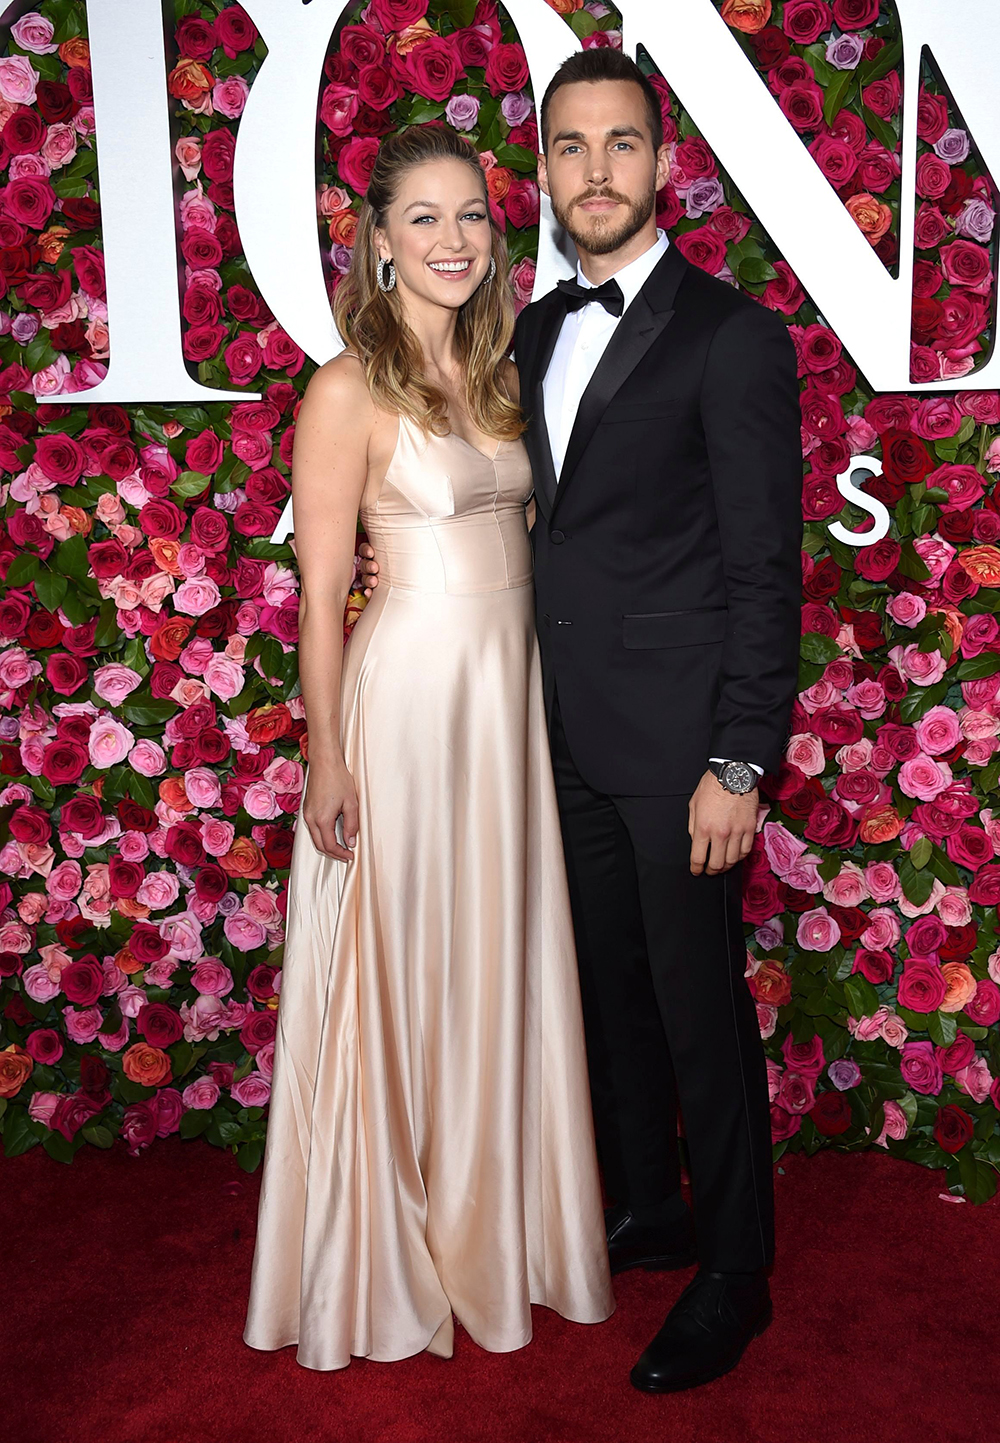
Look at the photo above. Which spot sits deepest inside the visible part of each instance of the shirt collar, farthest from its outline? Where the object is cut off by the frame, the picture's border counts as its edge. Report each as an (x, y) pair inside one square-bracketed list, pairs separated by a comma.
[(633, 276)]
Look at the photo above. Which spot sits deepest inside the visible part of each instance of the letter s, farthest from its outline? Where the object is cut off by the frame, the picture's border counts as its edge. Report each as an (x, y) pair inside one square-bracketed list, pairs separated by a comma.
[(875, 508)]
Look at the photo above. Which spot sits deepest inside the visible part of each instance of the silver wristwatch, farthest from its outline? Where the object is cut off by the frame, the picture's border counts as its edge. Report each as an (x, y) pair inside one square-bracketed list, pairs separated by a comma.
[(736, 777)]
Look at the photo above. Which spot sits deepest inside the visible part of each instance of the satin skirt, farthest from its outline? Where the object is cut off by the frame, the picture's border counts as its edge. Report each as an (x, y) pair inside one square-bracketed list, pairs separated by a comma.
[(430, 1151)]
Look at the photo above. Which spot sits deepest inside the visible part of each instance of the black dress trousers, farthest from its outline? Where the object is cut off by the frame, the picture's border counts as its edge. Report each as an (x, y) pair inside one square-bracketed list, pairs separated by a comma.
[(670, 1021)]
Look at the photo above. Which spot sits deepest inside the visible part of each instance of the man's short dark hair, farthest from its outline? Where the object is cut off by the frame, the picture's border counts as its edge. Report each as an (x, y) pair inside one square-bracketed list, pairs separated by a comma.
[(603, 64)]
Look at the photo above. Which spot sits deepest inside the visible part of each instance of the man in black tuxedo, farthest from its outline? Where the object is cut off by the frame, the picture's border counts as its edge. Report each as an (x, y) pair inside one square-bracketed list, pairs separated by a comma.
[(665, 445)]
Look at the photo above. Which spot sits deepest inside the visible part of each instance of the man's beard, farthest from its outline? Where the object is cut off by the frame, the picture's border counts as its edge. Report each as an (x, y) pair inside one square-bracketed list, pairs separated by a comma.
[(602, 239)]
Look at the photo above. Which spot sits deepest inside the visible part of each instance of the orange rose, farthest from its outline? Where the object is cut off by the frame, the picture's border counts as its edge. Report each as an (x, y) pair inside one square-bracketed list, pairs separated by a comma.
[(880, 824), (750, 16), (124, 958), (954, 621), (77, 519), (15, 1069), (566, 7), (165, 552), (189, 80), (871, 215), (772, 984), (343, 227), (75, 52), (244, 859), (414, 34), (498, 181), (172, 792), (266, 723), (149, 1066), (982, 563), (169, 638), (51, 243), (961, 986), (129, 907)]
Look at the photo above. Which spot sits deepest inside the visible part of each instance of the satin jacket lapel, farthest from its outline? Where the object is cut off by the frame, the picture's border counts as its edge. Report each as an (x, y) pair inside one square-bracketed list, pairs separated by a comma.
[(538, 443), (642, 324)]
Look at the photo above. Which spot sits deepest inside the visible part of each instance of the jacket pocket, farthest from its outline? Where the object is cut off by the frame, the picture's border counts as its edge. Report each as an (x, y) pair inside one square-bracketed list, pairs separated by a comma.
[(674, 628), (640, 411)]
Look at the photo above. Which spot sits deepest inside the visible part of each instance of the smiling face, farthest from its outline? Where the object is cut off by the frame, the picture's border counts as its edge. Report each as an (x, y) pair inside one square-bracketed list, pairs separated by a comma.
[(599, 167), (437, 233)]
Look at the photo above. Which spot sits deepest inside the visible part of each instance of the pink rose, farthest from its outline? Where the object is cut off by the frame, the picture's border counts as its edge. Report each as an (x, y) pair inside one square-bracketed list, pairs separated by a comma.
[(906, 608), (211, 976), (922, 987), (224, 676), (202, 1094), (148, 758), (158, 890), (114, 682), (33, 32), (817, 931), (109, 742), (895, 1124), (893, 1030), (217, 836), (252, 1090), (39, 986), (202, 787), (921, 1068), (243, 932), (938, 731), (196, 595), (82, 1024), (64, 881), (357, 160), (796, 1093), (975, 1080), (925, 668), (924, 778), (848, 888), (805, 751), (18, 78), (229, 96), (882, 932), (935, 554), (783, 849)]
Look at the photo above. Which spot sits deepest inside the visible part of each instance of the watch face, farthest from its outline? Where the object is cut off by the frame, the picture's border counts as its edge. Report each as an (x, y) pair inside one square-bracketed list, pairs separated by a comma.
[(738, 777)]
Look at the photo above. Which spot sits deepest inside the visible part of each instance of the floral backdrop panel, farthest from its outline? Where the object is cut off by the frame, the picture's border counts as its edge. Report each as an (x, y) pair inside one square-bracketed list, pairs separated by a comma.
[(152, 738)]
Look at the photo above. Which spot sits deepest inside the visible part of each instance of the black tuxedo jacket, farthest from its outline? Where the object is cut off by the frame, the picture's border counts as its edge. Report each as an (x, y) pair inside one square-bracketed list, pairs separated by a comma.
[(667, 568)]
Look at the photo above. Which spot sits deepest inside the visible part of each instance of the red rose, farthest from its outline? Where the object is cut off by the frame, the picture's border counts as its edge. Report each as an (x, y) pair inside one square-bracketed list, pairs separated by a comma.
[(960, 942), (970, 847), (932, 117), (162, 519), (61, 458), (94, 1074), (360, 45), (73, 1111), (930, 229), (905, 458), (855, 14), (397, 14), (771, 47), (522, 203), (217, 152), (235, 29), (258, 1030), (82, 815), (250, 519), (201, 342), (762, 898), (260, 983), (159, 1024), (124, 878), (804, 21), (183, 844), (831, 1114), (63, 761), (136, 818), (877, 965), (953, 1128), (704, 248), (278, 847), (433, 68), (204, 453), (46, 292), (83, 981), (89, 266), (211, 883), (243, 356), (24, 132), (378, 87), (838, 725), (783, 1124), (65, 674), (139, 1126), (30, 825), (146, 944), (196, 38), (878, 562)]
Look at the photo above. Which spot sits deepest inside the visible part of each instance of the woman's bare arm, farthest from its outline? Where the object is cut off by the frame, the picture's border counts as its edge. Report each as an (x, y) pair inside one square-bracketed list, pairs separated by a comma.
[(329, 469)]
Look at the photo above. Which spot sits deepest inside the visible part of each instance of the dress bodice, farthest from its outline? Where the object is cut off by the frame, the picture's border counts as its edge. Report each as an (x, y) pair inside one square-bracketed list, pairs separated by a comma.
[(449, 518)]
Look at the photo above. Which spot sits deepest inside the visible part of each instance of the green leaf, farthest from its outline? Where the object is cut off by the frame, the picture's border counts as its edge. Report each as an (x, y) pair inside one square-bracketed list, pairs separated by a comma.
[(987, 664), (149, 713), (97, 1135), (830, 867), (71, 558), (140, 789), (920, 699), (979, 1181), (18, 1135), (942, 1028), (423, 110), (250, 1154), (516, 157), (862, 999), (755, 272), (917, 886), (881, 129), (59, 1148), (911, 563), (195, 1121), (816, 647), (189, 483), (837, 94), (194, 418), (22, 569), (107, 632), (920, 852), (887, 59), (50, 588)]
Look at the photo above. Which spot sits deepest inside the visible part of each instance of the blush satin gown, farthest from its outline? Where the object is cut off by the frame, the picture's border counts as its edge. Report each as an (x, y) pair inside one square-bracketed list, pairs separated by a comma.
[(430, 1150)]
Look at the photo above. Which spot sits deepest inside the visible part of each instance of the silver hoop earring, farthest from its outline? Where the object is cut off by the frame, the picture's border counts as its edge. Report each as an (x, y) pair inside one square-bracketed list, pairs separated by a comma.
[(492, 270), (383, 284)]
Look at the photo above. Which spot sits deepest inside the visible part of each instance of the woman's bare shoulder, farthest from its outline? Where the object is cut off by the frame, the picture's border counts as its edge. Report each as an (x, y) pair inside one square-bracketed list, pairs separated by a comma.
[(341, 379)]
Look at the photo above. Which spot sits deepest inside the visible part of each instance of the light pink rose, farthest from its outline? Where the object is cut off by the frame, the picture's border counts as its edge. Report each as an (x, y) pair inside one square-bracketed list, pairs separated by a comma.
[(848, 888), (196, 595), (895, 1126), (202, 1094), (188, 154), (924, 778), (133, 847), (18, 79), (805, 751), (252, 1090), (767, 1019), (224, 676), (217, 836), (196, 655), (41, 1106), (17, 667), (212, 976), (259, 800), (782, 847), (32, 908), (284, 775), (893, 1029), (158, 890), (774, 1073), (203, 1018), (821, 693), (954, 908), (59, 146), (882, 932), (182, 934), (979, 753), (243, 932), (817, 931), (867, 1029), (39, 986), (147, 757), (803, 875), (906, 609), (993, 966), (975, 1080), (15, 937), (935, 554), (856, 757), (869, 698), (64, 881), (265, 1060), (202, 787), (861, 435), (114, 682), (938, 731), (188, 691), (978, 725), (33, 32), (260, 904), (109, 742), (924, 668)]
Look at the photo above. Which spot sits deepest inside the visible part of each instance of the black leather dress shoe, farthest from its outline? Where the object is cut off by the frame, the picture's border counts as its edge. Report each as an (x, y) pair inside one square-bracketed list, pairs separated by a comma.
[(706, 1332), (658, 1249)]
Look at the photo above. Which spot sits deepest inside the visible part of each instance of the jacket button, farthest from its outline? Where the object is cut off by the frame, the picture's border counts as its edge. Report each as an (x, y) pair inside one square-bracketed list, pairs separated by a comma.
[(558, 537)]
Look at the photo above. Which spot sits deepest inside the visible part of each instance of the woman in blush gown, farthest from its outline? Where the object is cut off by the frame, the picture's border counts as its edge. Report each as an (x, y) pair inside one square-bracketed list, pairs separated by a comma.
[(430, 1153)]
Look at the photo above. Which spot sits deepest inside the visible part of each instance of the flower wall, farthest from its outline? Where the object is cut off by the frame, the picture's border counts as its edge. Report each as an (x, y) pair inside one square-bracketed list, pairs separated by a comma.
[(152, 738)]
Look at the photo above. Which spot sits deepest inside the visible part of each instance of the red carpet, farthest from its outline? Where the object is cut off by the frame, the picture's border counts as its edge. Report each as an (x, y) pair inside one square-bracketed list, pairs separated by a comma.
[(125, 1283)]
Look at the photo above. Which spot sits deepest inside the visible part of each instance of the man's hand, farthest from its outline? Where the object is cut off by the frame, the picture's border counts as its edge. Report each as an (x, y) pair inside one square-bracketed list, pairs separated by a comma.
[(722, 826), (369, 567)]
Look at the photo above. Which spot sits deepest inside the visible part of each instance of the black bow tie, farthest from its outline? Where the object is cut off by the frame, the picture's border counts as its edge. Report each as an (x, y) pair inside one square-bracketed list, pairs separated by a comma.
[(609, 296)]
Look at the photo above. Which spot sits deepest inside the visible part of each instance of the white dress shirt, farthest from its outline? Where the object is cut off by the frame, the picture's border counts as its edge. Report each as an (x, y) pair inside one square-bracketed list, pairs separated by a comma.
[(581, 343)]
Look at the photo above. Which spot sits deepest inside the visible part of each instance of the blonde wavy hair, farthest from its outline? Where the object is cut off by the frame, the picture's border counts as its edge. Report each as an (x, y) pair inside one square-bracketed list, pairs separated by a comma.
[(371, 321)]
